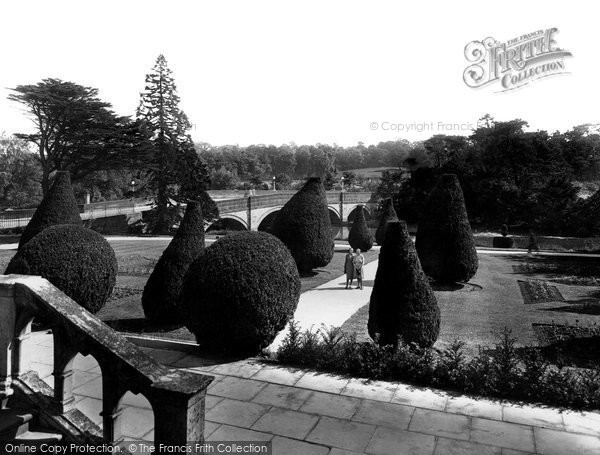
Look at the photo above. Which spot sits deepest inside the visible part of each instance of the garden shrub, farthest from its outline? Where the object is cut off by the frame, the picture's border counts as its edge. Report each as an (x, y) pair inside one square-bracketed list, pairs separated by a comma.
[(444, 240), (360, 236), (77, 260), (388, 214), (304, 226), (502, 372), (505, 241), (241, 292), (161, 297), (402, 301), (58, 207)]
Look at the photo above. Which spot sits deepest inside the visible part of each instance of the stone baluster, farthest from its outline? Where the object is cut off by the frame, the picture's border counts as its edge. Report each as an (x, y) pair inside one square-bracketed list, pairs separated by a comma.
[(8, 316)]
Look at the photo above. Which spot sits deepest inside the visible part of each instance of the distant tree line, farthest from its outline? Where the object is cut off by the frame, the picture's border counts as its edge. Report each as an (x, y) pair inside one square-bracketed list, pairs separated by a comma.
[(231, 165), (508, 175)]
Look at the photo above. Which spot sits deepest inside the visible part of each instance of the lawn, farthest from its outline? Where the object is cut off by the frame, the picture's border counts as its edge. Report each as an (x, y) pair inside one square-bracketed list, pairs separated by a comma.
[(544, 301), (136, 259)]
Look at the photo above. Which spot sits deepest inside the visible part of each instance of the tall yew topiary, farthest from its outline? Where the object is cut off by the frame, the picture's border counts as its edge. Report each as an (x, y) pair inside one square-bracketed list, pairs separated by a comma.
[(388, 214), (161, 296), (58, 207), (360, 236), (444, 239), (402, 301), (304, 226)]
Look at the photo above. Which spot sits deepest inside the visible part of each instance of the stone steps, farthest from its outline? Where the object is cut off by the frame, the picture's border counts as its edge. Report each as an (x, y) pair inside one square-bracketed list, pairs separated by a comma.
[(18, 424)]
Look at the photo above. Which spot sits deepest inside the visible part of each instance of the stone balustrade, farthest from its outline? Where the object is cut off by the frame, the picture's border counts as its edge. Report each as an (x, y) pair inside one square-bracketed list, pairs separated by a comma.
[(176, 396)]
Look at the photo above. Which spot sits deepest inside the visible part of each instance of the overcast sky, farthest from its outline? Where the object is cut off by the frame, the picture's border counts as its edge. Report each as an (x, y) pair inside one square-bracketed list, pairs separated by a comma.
[(252, 72)]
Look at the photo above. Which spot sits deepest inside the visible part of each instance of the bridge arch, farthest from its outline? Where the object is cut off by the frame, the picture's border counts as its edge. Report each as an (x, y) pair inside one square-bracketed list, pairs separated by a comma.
[(353, 210), (228, 222), (265, 221), (336, 221), (335, 209)]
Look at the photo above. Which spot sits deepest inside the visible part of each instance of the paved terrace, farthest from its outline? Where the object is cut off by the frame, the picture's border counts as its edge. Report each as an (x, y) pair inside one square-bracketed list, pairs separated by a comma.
[(308, 413)]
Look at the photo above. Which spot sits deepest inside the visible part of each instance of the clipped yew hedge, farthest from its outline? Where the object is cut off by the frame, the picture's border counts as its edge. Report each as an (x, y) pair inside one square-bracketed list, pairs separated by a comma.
[(58, 207), (304, 226), (161, 296), (444, 240), (402, 304), (240, 293), (388, 214), (77, 260), (360, 236)]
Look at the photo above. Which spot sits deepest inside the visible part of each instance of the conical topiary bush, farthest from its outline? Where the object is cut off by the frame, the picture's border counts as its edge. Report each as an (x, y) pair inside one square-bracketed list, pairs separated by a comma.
[(304, 226), (360, 236), (402, 302), (58, 207), (444, 239), (161, 296), (388, 214)]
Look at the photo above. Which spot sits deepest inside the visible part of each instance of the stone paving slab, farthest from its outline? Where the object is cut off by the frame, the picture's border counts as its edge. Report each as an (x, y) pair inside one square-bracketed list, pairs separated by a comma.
[(305, 412)]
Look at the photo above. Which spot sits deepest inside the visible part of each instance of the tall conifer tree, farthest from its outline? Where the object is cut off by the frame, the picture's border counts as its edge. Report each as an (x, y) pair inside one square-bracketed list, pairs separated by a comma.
[(176, 171)]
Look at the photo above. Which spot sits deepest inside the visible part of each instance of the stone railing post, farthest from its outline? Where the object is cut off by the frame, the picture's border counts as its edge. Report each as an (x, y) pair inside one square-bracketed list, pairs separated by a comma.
[(111, 408), (64, 354), (179, 412), (249, 213), (342, 214), (8, 318)]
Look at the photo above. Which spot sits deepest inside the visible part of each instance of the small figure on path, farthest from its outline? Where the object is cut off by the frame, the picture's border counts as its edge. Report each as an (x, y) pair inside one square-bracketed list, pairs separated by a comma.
[(349, 268), (532, 245), (358, 261)]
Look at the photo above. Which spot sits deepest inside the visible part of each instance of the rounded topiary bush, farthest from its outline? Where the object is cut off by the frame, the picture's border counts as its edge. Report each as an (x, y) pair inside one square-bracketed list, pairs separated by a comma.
[(58, 207), (304, 226), (444, 240), (77, 260), (387, 214), (241, 292), (402, 301), (360, 236), (161, 297)]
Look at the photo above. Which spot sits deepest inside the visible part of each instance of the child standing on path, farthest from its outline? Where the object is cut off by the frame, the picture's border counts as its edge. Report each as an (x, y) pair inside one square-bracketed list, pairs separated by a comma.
[(358, 261)]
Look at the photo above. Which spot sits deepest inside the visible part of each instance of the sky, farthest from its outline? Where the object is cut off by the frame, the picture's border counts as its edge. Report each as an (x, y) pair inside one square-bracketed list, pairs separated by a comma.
[(275, 72)]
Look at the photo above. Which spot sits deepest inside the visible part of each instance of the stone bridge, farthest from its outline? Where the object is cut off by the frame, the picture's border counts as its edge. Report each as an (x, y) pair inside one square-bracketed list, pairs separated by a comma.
[(257, 212), (254, 212)]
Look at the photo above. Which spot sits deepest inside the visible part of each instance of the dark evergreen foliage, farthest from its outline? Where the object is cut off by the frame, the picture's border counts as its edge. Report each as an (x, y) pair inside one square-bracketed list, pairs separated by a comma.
[(58, 207), (582, 219), (304, 226), (75, 130), (175, 171), (402, 301), (387, 214), (444, 239), (77, 260), (360, 236), (503, 242), (161, 296), (241, 292)]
